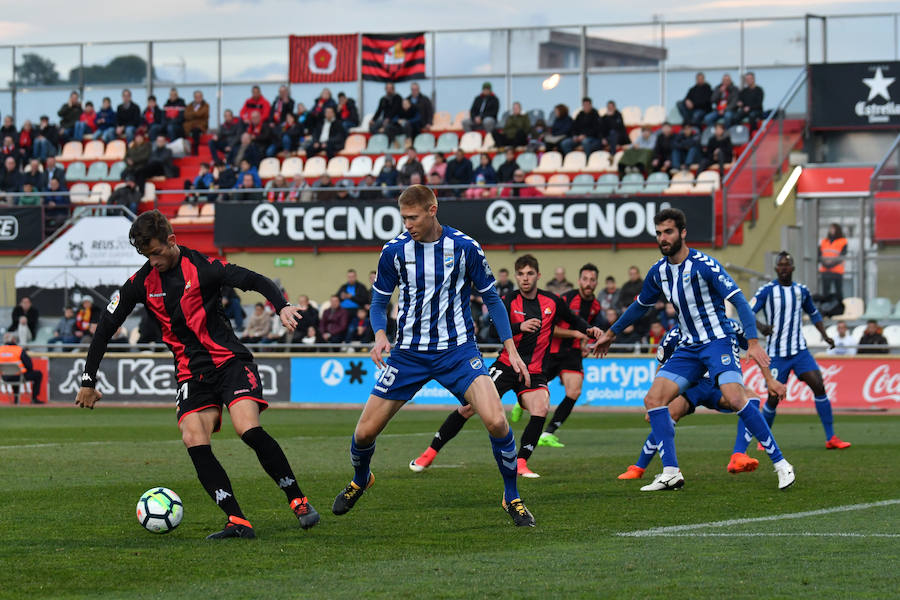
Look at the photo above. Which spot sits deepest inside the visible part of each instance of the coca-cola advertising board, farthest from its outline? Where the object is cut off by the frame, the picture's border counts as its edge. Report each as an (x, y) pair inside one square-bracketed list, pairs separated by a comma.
[(856, 383)]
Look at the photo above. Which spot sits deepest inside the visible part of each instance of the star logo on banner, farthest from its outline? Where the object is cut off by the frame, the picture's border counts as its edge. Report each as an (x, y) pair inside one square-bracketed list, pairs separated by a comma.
[(356, 372), (878, 85)]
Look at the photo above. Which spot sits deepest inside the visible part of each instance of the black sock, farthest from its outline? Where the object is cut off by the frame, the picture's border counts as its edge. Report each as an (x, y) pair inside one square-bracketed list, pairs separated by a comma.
[(214, 479), (530, 436), (452, 425), (562, 413), (273, 461)]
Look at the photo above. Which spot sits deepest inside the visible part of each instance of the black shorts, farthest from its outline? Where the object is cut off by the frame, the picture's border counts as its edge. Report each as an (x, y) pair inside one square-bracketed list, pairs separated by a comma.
[(557, 364), (506, 379), (236, 380)]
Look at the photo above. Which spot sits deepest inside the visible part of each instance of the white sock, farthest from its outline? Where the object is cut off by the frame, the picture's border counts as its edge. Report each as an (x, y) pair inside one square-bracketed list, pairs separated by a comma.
[(670, 470), (782, 463)]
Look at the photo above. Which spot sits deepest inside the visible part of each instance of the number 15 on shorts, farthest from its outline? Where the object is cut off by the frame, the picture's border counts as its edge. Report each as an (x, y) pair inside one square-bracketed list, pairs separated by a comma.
[(387, 377)]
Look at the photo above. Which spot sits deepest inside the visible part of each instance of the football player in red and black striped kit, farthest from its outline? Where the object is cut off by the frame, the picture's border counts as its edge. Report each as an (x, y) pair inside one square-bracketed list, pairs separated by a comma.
[(533, 314), (181, 289), (566, 352)]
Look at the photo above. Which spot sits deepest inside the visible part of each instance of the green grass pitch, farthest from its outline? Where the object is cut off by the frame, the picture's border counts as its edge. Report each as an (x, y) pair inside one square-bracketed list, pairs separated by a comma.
[(70, 479)]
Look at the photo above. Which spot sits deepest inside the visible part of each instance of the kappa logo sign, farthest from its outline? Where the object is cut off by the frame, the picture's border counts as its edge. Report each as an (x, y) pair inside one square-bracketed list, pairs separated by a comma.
[(9, 227), (317, 223)]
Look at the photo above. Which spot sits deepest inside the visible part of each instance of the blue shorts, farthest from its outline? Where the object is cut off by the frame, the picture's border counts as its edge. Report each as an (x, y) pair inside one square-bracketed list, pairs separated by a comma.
[(704, 394), (802, 362), (408, 370), (688, 364)]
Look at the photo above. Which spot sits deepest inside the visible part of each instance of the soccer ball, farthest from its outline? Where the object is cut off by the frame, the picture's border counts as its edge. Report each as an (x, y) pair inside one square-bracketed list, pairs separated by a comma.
[(160, 510)]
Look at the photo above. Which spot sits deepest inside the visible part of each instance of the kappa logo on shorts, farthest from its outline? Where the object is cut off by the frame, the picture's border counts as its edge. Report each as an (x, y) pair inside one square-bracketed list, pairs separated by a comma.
[(475, 363), (726, 360)]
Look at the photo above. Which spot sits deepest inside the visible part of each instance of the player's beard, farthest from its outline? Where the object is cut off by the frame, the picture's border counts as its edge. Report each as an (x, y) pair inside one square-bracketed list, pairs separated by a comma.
[(674, 249)]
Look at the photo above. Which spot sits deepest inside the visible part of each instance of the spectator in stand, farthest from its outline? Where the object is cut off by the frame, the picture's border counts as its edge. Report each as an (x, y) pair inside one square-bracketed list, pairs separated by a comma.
[(8, 128), (306, 318), (53, 171), (686, 148), (334, 321), (368, 188), (459, 172), (345, 189), (308, 337), (12, 351), (316, 114), (388, 108), (559, 285), (630, 289), (323, 189), (26, 141), (64, 332), (353, 294), (46, 141), (282, 106), (483, 113), (245, 150), (231, 304), (70, 117), (506, 171), (485, 170), (718, 150), (137, 155), (656, 334), (245, 167), (259, 324), (536, 136), (161, 163), (408, 122), (586, 131), (256, 101), (504, 285), (28, 198), (423, 105), (8, 148), (196, 120), (871, 338), (34, 174), (346, 111), (613, 128), (228, 136), (247, 185), (265, 136), (128, 195), (411, 166), (515, 129), (328, 137), (173, 111), (439, 166), (662, 149), (519, 189), (638, 157), (750, 102), (359, 330), (832, 252), (844, 344), (278, 332), (277, 189), (87, 122), (153, 120), (128, 119), (291, 133), (25, 313), (106, 119), (56, 205), (724, 103), (697, 103), (608, 297), (387, 178), (560, 129), (11, 179), (86, 316)]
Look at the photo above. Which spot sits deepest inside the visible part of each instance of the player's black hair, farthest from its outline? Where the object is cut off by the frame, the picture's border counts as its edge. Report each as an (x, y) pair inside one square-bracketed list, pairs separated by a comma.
[(526, 260), (588, 267), (149, 226), (673, 214), (784, 254)]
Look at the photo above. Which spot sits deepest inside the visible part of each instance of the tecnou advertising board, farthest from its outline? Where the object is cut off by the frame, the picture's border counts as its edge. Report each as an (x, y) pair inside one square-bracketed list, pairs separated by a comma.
[(21, 227), (566, 221)]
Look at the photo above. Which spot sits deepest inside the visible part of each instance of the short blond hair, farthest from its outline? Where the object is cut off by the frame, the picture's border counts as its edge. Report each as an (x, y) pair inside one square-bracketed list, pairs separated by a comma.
[(417, 195)]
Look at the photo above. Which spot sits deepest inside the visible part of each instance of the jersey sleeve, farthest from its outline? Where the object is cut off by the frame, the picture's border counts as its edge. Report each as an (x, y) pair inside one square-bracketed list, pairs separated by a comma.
[(120, 306), (478, 269), (387, 278), (719, 279), (759, 299), (809, 306), (651, 290)]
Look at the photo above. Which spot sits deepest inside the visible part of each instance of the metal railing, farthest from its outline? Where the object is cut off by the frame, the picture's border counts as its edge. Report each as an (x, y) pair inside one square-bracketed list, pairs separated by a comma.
[(886, 176)]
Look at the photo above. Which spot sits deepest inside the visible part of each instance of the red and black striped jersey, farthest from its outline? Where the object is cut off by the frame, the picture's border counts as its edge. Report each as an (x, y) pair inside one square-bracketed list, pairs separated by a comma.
[(550, 309), (586, 308), (186, 300)]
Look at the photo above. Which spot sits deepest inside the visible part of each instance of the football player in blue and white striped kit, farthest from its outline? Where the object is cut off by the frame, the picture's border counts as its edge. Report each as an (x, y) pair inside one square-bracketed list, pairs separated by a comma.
[(437, 268), (697, 285), (783, 302)]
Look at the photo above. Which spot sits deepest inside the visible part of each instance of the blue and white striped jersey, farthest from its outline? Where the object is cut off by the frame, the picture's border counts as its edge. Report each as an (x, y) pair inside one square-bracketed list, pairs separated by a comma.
[(698, 288), (781, 306), (672, 340), (436, 280)]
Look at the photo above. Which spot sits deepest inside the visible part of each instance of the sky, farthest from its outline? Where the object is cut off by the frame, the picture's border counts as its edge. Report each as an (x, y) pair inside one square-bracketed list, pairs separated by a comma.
[(102, 20)]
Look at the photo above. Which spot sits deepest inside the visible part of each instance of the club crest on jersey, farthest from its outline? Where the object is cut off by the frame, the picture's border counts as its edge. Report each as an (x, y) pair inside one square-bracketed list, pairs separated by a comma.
[(547, 311), (475, 363), (686, 277), (113, 303), (187, 285), (726, 282), (448, 262), (487, 268), (726, 360)]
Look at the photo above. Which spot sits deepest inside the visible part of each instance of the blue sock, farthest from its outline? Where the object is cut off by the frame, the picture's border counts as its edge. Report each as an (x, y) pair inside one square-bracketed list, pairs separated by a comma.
[(664, 432), (360, 458), (647, 452), (743, 436), (505, 454), (823, 407), (756, 425), (768, 414)]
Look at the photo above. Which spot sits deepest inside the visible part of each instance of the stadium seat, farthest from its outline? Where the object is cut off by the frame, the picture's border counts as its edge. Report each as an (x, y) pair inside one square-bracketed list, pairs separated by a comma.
[(854, 307), (364, 125), (527, 161), (475, 159), (537, 181), (631, 115), (707, 135), (574, 162), (338, 167), (100, 192), (71, 151), (488, 144), (80, 193), (707, 182), (98, 171), (314, 167), (632, 183), (76, 171), (115, 171), (812, 335), (558, 185), (674, 117), (187, 214), (878, 309), (378, 144), (424, 143), (550, 162), (291, 167), (654, 115), (634, 134), (360, 167), (470, 141), (269, 167), (207, 213), (441, 121), (498, 160), (534, 114), (458, 119), (377, 165), (739, 134), (399, 142), (582, 185), (93, 150), (896, 314), (355, 144), (447, 142), (149, 192), (682, 183), (892, 335), (115, 150), (598, 162), (656, 183), (607, 184), (427, 162), (615, 163)]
